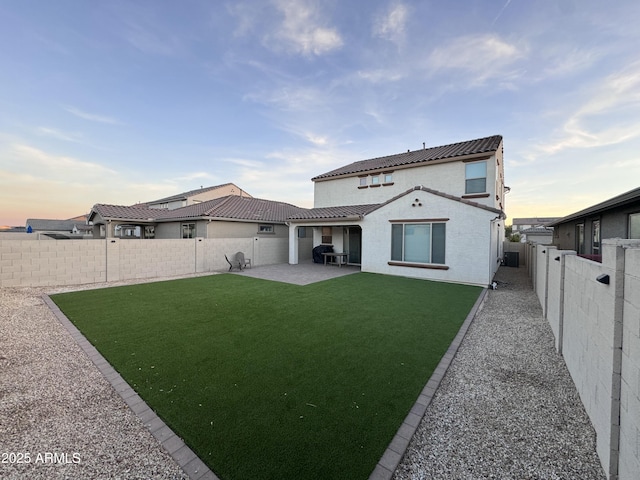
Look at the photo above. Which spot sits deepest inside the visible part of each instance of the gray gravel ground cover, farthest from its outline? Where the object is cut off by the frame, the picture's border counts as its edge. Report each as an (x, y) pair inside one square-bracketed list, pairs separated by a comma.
[(507, 407), (59, 417)]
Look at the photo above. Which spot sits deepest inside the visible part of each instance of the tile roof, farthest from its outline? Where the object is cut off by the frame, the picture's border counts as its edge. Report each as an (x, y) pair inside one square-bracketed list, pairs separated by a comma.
[(350, 211), (41, 224), (334, 213), (472, 147), (231, 207), (191, 193)]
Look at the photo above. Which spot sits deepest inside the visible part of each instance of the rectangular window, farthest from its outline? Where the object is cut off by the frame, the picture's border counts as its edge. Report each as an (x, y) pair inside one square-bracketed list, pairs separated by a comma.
[(418, 242), (326, 235), (475, 177), (580, 238), (388, 178), (188, 230), (375, 180), (302, 232), (363, 181), (595, 227), (634, 225), (265, 229)]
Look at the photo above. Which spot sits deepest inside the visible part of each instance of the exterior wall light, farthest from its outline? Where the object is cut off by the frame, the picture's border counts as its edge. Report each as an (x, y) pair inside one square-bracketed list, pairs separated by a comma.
[(603, 279)]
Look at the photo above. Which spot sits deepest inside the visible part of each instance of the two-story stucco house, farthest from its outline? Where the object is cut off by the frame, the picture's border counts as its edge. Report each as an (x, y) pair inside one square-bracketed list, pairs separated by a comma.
[(435, 213)]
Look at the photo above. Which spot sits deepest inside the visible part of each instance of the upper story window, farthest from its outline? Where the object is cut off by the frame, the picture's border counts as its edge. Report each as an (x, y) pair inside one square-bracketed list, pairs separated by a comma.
[(363, 181), (475, 177), (375, 180), (634, 225), (188, 230), (388, 178)]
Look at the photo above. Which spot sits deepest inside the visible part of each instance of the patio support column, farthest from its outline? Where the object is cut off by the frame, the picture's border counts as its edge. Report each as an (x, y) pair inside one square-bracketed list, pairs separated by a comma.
[(293, 245)]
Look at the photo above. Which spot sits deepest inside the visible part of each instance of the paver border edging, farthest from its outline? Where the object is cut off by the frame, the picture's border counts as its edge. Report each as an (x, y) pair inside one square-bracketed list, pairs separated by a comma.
[(395, 451), (193, 467)]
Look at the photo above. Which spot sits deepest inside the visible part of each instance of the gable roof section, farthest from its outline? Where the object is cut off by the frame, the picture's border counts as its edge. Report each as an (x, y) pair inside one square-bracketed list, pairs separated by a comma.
[(443, 195), (231, 207), (356, 212), (345, 212), (41, 224), (191, 193), (479, 146), (621, 200)]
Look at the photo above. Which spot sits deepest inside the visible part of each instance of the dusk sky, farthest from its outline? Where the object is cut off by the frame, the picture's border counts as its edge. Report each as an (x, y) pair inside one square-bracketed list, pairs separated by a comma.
[(127, 101)]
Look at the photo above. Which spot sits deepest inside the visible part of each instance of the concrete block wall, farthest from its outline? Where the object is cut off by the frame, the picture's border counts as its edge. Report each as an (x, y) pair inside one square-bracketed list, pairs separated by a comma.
[(597, 329), (43, 263), (148, 259), (588, 336), (29, 263), (629, 466), (540, 286)]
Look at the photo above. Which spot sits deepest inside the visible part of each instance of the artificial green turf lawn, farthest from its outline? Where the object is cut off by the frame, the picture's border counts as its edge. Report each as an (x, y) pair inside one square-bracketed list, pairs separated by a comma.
[(266, 380)]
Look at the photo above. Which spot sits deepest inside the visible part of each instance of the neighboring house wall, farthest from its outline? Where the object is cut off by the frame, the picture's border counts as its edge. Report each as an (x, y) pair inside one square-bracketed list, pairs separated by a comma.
[(448, 176), (224, 229), (28, 263), (597, 329), (466, 228), (613, 224)]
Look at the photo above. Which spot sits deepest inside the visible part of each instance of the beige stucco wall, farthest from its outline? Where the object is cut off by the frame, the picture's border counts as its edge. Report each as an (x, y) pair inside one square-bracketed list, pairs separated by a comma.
[(448, 177), (229, 229), (472, 253)]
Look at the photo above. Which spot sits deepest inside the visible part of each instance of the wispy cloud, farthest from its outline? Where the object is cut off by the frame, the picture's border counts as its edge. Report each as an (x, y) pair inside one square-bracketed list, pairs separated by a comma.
[(151, 41), (92, 116), (482, 58), (291, 98), (59, 134), (56, 166), (609, 116), (504, 7), (303, 29), (391, 25)]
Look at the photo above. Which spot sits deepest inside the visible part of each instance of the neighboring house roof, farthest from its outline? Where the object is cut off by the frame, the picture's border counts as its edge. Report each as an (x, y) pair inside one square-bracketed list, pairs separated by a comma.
[(191, 193), (472, 147), (230, 207), (358, 211), (537, 231), (534, 221), (621, 200), (48, 225)]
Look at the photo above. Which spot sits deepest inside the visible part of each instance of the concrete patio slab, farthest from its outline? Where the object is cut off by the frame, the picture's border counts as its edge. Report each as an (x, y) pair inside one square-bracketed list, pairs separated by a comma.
[(300, 274)]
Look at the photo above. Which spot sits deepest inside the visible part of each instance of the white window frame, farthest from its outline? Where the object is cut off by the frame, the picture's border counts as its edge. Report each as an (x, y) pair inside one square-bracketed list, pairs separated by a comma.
[(441, 255), (266, 229), (191, 232), (470, 176)]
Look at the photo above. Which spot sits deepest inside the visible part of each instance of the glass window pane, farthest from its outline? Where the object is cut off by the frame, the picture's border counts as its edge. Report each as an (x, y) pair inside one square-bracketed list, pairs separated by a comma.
[(634, 225), (477, 185), (417, 243), (396, 242), (476, 170), (438, 231)]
